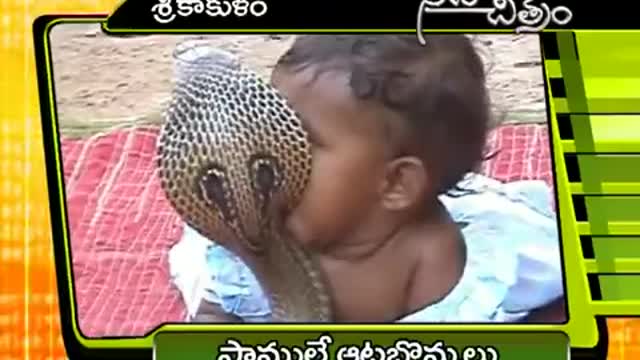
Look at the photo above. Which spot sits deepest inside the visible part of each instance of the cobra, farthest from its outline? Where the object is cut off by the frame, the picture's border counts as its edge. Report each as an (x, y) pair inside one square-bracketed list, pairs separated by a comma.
[(233, 157)]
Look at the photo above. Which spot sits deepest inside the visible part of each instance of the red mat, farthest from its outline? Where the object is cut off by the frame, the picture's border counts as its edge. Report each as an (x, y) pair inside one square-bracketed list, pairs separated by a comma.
[(121, 226)]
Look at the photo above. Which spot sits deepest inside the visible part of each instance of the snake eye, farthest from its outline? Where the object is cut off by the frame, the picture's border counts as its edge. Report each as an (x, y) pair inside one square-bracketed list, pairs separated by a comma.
[(264, 173), (265, 177), (212, 188)]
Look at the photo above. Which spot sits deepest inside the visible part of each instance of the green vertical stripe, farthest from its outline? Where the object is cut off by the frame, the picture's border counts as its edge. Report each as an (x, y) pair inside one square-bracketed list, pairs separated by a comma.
[(584, 142), (577, 103)]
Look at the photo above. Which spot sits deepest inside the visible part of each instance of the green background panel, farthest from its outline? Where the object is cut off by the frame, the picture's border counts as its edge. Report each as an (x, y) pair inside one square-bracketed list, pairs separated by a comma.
[(575, 100), (611, 88), (628, 145), (616, 247), (611, 132), (616, 208), (561, 105), (614, 173), (620, 287), (611, 228), (612, 265), (553, 68), (580, 304), (607, 80), (608, 188), (614, 105), (615, 255), (568, 146), (520, 346), (613, 168), (609, 63), (611, 54)]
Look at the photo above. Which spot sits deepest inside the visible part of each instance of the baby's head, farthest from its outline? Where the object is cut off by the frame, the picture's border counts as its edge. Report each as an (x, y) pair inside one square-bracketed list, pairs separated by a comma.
[(392, 124)]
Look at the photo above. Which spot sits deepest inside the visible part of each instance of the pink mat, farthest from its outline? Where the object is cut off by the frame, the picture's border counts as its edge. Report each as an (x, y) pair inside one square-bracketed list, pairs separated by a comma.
[(121, 226)]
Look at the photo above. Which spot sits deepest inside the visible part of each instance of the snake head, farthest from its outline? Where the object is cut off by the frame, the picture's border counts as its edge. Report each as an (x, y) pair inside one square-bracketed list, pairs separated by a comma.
[(232, 154)]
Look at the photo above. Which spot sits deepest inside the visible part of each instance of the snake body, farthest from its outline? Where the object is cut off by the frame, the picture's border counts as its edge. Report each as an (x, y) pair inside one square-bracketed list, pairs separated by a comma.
[(232, 156)]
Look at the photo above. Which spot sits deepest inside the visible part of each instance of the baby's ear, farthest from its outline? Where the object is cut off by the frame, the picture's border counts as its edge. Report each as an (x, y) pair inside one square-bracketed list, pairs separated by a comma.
[(405, 183)]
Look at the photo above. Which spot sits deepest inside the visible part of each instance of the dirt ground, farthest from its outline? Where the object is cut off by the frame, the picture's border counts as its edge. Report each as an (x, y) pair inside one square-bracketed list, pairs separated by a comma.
[(103, 82)]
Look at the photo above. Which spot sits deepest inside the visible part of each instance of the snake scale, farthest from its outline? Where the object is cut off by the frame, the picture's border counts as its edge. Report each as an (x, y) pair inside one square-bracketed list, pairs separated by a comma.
[(232, 156)]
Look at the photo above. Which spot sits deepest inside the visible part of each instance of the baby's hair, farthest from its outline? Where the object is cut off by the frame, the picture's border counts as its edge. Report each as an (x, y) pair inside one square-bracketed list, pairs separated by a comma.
[(439, 89)]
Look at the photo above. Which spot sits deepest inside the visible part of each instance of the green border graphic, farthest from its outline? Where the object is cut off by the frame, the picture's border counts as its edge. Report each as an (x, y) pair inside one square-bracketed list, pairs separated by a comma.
[(563, 66), (600, 72)]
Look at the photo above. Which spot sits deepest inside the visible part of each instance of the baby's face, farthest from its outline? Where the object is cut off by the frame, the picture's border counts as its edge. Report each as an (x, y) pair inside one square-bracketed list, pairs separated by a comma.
[(348, 149)]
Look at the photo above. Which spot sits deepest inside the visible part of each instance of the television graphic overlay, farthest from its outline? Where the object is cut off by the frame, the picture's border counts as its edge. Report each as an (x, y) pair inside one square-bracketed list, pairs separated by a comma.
[(113, 230)]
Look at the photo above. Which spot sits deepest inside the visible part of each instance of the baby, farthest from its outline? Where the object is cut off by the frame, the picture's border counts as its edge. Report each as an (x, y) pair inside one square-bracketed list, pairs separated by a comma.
[(400, 229)]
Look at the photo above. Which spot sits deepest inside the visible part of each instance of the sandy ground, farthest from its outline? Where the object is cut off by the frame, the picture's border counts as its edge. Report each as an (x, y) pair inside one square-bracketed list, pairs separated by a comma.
[(104, 81)]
